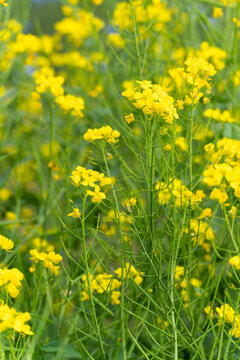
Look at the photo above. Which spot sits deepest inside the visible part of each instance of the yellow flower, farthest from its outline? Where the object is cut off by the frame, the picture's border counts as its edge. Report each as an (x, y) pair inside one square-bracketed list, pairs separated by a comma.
[(97, 2), (104, 133), (75, 213), (219, 195), (2, 2), (129, 118), (5, 243), (205, 213), (196, 283), (235, 262), (49, 260), (97, 195), (208, 311), (11, 319), (217, 12), (152, 99), (116, 40), (11, 280), (233, 212)]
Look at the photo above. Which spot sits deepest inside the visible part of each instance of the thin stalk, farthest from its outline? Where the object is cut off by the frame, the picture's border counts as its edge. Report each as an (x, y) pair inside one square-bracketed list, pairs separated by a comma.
[(191, 150), (150, 172), (51, 127), (176, 243), (135, 35), (122, 262), (67, 153), (88, 279), (230, 229)]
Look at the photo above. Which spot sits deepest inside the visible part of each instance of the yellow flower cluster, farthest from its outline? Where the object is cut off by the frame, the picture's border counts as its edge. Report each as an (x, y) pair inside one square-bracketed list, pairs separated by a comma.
[(193, 80), (75, 213), (205, 213), (181, 279), (201, 233), (225, 166), (79, 27), (50, 260), (219, 194), (217, 115), (5, 194), (2, 2), (217, 12), (116, 40), (229, 2), (11, 319), (46, 81), (130, 118), (235, 262), (155, 12), (82, 176), (181, 194), (71, 59), (102, 283), (5, 243), (11, 279), (212, 54), (71, 104), (42, 244), (228, 315), (152, 99), (129, 271), (104, 133)]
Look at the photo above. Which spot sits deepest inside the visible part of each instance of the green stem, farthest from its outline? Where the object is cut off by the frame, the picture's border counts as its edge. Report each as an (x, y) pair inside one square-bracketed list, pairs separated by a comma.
[(88, 279), (175, 252), (230, 229), (51, 127), (67, 152), (122, 262), (135, 38), (191, 150), (150, 171)]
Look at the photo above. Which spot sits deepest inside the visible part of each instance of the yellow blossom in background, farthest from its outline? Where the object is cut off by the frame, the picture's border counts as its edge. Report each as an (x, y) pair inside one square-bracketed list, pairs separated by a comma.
[(2, 2), (97, 2), (130, 202), (233, 212), (208, 311), (217, 12), (102, 283), (196, 283), (75, 213), (129, 118), (235, 262), (11, 279), (72, 104), (236, 21), (67, 10), (5, 194), (5, 243), (116, 40), (129, 271), (104, 133), (205, 213), (49, 260), (73, 2), (11, 319)]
